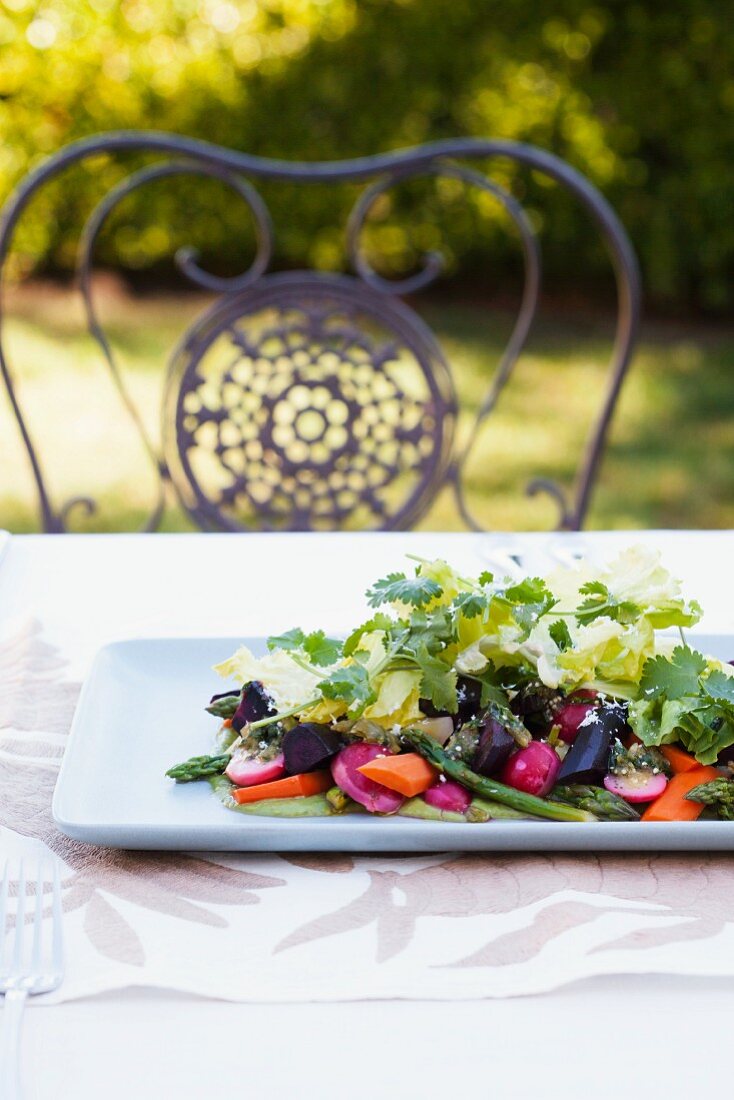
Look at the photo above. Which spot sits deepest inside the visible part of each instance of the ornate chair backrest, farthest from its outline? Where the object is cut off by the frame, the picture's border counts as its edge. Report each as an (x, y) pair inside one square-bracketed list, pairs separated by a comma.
[(305, 401)]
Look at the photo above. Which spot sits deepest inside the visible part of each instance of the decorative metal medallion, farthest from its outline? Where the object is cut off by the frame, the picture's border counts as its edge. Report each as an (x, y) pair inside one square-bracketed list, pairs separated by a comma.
[(308, 402)]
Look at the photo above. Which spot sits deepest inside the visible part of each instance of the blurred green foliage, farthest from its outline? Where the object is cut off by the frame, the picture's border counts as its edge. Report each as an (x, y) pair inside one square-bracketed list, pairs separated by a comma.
[(639, 96)]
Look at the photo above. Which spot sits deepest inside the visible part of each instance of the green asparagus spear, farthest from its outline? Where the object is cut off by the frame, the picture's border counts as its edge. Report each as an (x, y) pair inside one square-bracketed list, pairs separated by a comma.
[(480, 810), (418, 807), (338, 800), (718, 793), (224, 707), (490, 788), (198, 767), (598, 801)]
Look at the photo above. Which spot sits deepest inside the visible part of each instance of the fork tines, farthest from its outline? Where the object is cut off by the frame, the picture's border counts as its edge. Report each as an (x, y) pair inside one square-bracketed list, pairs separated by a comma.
[(31, 961)]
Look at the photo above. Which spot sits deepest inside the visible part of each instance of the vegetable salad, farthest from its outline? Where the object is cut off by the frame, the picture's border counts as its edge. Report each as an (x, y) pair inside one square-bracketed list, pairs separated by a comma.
[(471, 699)]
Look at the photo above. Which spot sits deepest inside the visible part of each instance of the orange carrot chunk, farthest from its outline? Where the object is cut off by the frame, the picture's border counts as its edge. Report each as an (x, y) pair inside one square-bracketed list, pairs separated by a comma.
[(227, 724), (679, 760), (293, 786), (408, 774), (672, 804)]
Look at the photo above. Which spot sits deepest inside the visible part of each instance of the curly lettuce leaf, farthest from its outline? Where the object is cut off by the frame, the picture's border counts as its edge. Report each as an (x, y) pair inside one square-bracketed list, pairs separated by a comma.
[(633, 585), (396, 703), (686, 698), (287, 682)]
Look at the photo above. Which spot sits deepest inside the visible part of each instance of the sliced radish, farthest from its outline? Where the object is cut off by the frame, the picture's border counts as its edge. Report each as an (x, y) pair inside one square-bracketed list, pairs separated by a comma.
[(533, 769), (448, 796), (572, 715), (246, 771), (641, 785), (375, 797)]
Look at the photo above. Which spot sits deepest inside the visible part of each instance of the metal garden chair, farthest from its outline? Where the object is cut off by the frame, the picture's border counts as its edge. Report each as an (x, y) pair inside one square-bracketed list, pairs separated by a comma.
[(305, 401)]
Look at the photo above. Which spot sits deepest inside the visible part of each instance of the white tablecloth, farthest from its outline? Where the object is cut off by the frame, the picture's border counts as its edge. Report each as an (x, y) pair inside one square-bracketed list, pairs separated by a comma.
[(90, 590)]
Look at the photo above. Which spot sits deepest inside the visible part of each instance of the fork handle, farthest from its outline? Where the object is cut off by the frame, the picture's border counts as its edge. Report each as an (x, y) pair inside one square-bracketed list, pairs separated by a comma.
[(10, 1086)]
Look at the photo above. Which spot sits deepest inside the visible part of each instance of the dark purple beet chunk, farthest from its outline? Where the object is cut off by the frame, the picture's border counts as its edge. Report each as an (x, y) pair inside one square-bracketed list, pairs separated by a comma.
[(494, 748), (468, 696), (308, 747), (254, 705), (587, 761), (534, 704)]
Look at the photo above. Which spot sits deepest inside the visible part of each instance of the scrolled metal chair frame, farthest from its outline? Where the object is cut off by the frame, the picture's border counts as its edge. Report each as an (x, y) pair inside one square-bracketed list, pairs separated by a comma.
[(335, 312)]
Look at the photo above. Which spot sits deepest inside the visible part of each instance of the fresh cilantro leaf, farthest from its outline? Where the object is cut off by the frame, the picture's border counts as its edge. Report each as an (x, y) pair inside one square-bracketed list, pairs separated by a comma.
[(435, 629), (719, 686), (438, 680), (292, 639), (675, 677), (602, 602), (492, 693), (529, 600), (531, 590), (470, 604), (322, 650), (380, 621), (318, 648), (599, 602), (561, 635), (595, 588), (397, 588), (485, 577), (624, 612), (352, 685)]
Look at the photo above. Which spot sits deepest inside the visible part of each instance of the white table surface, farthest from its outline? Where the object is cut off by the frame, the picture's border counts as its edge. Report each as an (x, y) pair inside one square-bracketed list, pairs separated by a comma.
[(93, 589)]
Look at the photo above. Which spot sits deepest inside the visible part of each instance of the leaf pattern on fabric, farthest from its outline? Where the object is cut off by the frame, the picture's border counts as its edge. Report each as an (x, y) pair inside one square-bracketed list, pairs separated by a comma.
[(471, 885), (375, 905), (34, 699), (112, 936), (648, 938), (523, 945)]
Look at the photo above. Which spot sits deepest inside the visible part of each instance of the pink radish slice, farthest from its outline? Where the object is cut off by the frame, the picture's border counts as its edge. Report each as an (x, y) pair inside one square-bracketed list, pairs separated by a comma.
[(571, 715), (375, 797), (448, 796), (246, 771), (638, 786), (533, 769)]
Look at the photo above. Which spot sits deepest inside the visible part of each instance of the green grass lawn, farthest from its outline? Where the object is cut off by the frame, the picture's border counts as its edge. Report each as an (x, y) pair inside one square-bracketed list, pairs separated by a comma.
[(669, 463)]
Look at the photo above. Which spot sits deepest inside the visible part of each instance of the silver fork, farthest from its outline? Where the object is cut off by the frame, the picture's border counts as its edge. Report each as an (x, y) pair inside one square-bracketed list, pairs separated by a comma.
[(33, 963)]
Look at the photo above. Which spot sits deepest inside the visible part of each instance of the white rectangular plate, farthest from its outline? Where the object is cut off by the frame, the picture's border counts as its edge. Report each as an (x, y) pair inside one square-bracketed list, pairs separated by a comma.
[(141, 710)]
